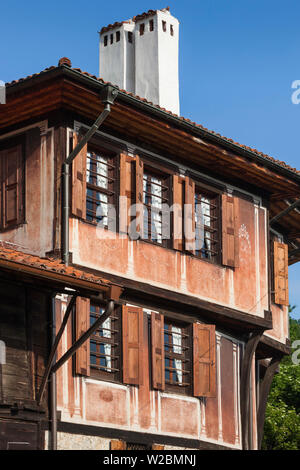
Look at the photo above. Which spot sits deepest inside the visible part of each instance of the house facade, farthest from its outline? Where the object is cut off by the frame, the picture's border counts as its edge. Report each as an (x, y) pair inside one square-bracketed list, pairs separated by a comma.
[(188, 233)]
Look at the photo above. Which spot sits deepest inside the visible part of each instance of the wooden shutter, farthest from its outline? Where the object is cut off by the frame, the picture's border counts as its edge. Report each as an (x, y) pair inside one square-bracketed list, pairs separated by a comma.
[(281, 273), (12, 183), (139, 177), (126, 168), (79, 180), (189, 215), (82, 325), (132, 328), (157, 447), (157, 351), (204, 360), (177, 188), (117, 444), (230, 240)]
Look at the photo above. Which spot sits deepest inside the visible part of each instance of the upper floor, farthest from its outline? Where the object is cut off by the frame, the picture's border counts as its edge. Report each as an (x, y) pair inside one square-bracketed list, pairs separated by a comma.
[(152, 200)]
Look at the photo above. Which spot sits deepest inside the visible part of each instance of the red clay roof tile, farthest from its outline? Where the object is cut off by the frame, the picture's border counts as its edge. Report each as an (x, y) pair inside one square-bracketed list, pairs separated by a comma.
[(48, 264)]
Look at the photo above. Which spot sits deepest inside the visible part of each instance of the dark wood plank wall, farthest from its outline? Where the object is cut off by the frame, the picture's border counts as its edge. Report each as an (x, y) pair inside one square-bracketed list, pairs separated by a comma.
[(24, 328)]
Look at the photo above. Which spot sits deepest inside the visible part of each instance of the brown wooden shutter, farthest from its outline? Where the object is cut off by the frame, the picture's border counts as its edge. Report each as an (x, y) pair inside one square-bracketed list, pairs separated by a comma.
[(204, 360), (132, 328), (139, 176), (117, 444), (82, 325), (177, 212), (12, 182), (79, 180), (281, 286), (230, 240), (157, 447), (158, 353), (126, 168), (189, 215)]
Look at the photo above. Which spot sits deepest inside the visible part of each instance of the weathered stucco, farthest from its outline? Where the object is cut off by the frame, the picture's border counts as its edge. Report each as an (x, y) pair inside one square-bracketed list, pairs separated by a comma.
[(141, 409)]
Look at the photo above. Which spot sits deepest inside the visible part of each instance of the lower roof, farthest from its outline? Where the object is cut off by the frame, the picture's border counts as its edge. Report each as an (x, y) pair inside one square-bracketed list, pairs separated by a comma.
[(56, 275)]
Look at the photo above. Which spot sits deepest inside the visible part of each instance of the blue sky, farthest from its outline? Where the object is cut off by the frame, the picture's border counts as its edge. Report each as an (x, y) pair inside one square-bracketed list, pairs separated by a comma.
[(238, 60)]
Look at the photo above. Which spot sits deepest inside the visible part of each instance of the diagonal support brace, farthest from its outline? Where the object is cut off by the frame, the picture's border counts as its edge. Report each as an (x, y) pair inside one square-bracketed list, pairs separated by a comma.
[(54, 349), (245, 386), (85, 336), (263, 397)]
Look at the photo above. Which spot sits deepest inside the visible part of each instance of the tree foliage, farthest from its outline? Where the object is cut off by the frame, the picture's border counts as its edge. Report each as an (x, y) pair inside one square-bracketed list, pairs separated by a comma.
[(282, 423)]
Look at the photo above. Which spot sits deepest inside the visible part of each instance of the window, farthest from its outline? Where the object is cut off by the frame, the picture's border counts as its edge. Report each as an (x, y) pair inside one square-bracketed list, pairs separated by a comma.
[(118, 36), (164, 26), (171, 30), (117, 444), (142, 29), (151, 25), (155, 195), (183, 355), (130, 37), (105, 345), (136, 446), (177, 356), (111, 38), (105, 41), (207, 231), (100, 177), (12, 187)]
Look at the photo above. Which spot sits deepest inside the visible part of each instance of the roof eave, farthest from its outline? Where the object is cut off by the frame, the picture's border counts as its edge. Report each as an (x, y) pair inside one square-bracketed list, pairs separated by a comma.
[(180, 122)]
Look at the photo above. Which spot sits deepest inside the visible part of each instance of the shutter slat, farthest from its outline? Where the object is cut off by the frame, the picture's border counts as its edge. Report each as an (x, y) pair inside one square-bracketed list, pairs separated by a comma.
[(230, 231), (189, 215), (177, 212), (79, 180), (204, 360), (82, 325), (281, 273), (157, 349), (132, 328)]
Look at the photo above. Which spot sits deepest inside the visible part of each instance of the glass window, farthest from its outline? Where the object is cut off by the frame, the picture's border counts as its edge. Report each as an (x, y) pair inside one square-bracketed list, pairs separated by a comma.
[(177, 355), (155, 195), (207, 226), (105, 345), (100, 187)]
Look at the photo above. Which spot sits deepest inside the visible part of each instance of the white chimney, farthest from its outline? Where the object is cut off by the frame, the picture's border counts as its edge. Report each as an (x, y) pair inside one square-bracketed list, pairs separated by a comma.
[(141, 56)]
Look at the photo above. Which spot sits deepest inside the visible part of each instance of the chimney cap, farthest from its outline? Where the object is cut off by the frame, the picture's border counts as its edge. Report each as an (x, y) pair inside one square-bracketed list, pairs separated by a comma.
[(65, 61)]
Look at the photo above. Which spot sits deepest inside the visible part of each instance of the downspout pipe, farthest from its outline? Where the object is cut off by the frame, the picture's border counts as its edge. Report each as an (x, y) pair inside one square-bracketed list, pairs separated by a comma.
[(108, 96)]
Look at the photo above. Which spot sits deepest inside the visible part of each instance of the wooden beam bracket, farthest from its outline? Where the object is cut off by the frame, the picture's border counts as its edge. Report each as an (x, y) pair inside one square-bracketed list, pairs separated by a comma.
[(263, 397), (249, 351)]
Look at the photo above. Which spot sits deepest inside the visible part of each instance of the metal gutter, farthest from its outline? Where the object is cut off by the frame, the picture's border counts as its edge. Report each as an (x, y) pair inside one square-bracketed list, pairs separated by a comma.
[(108, 96)]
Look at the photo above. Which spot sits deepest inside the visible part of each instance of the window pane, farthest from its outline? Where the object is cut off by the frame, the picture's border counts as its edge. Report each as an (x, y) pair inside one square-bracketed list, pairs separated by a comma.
[(175, 355), (104, 342), (153, 199), (206, 227)]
